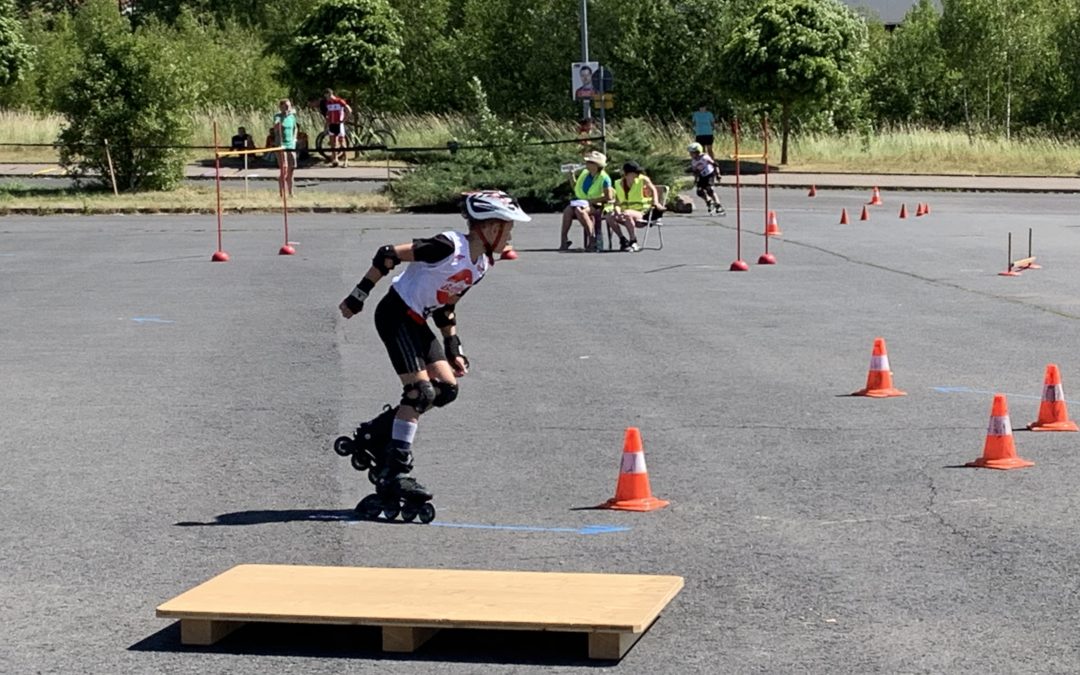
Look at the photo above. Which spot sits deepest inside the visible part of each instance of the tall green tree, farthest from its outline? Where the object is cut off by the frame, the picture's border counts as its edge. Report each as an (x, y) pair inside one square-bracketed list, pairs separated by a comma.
[(1001, 48), (433, 77), (124, 92), (349, 45), (910, 81), (794, 54), (521, 52), (15, 53), (665, 54)]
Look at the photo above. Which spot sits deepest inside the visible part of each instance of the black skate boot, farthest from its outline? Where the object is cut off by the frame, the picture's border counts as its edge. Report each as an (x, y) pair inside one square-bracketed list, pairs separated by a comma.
[(369, 441), (397, 493)]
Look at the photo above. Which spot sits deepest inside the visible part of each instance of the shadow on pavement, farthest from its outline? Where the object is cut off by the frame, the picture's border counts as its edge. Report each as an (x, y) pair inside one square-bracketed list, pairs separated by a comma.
[(364, 642), (274, 516)]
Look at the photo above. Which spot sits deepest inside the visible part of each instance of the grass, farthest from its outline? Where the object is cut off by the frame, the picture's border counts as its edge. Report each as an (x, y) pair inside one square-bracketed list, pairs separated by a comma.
[(16, 198), (900, 150)]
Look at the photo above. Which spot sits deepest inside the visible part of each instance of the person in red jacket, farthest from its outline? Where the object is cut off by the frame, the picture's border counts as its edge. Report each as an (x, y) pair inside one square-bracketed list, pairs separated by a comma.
[(336, 110)]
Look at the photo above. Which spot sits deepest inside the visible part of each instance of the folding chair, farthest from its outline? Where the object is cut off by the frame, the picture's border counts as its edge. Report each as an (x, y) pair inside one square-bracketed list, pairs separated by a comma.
[(654, 217)]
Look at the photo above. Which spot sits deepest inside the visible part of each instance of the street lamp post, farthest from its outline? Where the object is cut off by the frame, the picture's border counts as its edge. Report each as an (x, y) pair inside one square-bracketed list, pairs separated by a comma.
[(586, 105)]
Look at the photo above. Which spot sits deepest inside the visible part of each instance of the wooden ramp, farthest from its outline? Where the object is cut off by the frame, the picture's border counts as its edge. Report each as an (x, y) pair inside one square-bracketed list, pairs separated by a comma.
[(411, 605)]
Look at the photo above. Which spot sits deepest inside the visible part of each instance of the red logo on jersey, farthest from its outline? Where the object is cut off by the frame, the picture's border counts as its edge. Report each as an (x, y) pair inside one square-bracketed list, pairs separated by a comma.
[(454, 286)]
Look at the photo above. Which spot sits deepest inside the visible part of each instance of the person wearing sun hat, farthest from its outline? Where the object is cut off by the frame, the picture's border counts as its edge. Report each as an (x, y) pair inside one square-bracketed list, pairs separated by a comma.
[(593, 192)]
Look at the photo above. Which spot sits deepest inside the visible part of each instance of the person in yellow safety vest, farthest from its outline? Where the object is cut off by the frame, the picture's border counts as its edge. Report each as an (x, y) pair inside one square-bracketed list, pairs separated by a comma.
[(592, 195), (634, 194)]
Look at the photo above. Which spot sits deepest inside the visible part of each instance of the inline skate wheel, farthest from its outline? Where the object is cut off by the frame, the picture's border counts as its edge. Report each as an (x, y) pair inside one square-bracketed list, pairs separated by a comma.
[(427, 513), (360, 462), (391, 512), (369, 507), (409, 513), (343, 446)]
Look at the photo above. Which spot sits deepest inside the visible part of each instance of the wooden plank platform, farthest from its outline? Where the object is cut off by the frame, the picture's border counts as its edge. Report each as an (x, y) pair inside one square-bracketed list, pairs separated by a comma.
[(411, 605)]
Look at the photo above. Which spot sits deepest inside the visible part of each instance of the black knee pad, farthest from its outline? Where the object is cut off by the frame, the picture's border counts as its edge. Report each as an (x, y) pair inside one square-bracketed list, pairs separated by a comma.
[(445, 393), (419, 396)]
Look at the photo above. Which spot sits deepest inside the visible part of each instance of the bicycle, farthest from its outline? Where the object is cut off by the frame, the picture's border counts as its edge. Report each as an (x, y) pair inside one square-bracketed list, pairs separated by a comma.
[(364, 128)]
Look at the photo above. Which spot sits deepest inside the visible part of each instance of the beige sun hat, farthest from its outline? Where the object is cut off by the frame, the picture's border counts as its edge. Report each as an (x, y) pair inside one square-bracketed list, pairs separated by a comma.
[(597, 158)]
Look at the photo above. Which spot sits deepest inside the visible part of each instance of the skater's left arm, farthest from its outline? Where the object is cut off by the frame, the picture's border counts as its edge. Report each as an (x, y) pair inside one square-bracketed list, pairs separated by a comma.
[(446, 319)]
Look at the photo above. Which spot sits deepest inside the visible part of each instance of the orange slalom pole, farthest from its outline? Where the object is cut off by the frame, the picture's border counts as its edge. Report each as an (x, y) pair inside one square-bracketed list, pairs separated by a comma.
[(766, 258), (285, 249), (739, 265), (219, 255)]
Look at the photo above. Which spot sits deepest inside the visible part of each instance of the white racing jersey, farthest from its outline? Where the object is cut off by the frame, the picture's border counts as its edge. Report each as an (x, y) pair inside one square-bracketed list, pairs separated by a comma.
[(703, 165), (426, 287)]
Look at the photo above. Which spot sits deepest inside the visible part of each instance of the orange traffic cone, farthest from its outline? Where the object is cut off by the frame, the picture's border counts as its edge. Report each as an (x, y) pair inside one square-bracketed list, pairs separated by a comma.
[(813, 192), (903, 210), (999, 452), (1053, 413), (920, 211), (865, 214), (926, 209), (632, 492), (875, 199), (843, 217), (772, 228), (879, 379)]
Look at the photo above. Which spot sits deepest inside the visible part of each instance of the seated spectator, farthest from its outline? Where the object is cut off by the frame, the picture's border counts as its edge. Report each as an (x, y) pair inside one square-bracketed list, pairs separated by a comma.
[(271, 142), (592, 195), (634, 194), (243, 140), (302, 144)]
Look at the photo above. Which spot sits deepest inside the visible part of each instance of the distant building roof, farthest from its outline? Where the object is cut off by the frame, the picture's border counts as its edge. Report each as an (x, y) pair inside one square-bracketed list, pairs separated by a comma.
[(891, 12)]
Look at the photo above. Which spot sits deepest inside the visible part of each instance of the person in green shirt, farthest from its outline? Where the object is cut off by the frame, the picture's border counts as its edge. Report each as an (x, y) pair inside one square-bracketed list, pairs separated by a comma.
[(285, 131), (592, 194)]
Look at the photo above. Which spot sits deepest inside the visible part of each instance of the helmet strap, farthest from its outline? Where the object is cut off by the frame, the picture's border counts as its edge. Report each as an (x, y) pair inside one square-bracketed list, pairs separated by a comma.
[(488, 245)]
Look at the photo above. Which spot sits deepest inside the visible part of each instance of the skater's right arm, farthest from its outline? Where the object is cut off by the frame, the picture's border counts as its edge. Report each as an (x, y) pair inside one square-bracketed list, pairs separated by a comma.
[(386, 259)]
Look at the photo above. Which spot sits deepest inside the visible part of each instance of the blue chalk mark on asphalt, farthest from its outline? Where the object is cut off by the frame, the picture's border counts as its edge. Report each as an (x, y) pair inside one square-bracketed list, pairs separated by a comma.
[(969, 390), (588, 529), (150, 319)]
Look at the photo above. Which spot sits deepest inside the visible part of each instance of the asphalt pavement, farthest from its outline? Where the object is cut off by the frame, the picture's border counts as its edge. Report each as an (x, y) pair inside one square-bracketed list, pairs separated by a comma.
[(166, 417)]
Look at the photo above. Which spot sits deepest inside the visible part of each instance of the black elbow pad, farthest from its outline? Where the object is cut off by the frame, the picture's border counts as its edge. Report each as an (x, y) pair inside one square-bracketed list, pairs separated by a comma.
[(386, 259)]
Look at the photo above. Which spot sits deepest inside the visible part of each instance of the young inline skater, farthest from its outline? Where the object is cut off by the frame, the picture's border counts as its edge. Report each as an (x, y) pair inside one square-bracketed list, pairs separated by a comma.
[(706, 174), (440, 271)]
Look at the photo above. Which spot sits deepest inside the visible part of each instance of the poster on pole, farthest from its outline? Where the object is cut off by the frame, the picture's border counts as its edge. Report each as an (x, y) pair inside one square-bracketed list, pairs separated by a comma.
[(581, 79)]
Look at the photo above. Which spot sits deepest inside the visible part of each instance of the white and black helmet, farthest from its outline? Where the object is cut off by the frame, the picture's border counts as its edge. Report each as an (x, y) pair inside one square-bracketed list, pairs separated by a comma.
[(493, 205)]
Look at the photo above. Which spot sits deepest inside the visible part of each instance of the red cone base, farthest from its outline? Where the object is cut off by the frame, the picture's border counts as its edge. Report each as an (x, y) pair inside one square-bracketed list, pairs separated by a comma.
[(740, 266), (287, 250), (766, 259), (219, 256), (1004, 463)]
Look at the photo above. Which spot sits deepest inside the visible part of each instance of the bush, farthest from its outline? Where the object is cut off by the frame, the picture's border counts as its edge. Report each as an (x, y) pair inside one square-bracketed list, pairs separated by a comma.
[(528, 172), (125, 93)]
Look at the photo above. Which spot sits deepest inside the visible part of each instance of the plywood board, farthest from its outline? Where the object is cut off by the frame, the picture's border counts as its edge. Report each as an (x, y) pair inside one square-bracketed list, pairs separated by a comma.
[(609, 603)]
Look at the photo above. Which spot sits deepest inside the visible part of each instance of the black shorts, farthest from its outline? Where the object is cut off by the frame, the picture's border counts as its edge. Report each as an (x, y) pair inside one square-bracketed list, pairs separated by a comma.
[(704, 140), (410, 342), (335, 129), (704, 182)]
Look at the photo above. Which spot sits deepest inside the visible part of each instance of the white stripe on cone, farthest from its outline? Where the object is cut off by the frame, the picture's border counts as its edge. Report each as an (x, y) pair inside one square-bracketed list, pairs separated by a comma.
[(879, 362), (1053, 393), (999, 426), (633, 462)]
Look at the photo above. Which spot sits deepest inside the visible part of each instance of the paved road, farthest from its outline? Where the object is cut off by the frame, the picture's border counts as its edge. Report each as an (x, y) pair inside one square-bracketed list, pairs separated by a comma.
[(319, 172), (326, 175), (260, 182), (166, 418)]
